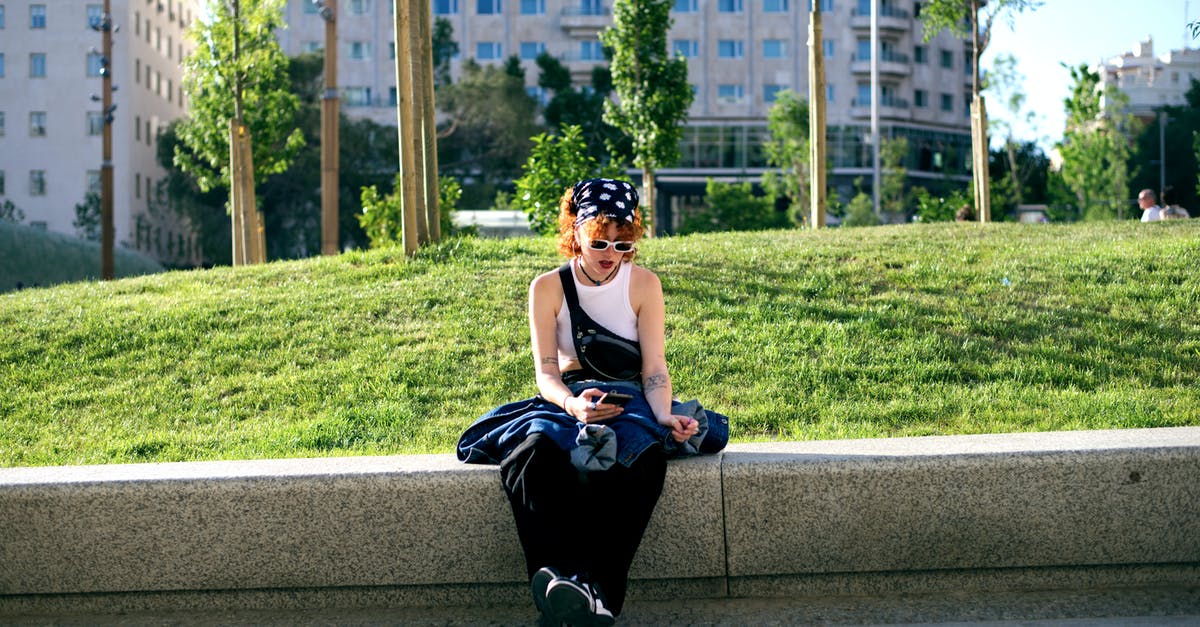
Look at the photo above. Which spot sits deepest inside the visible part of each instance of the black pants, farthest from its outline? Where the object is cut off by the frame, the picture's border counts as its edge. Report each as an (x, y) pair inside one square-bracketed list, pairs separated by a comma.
[(586, 524)]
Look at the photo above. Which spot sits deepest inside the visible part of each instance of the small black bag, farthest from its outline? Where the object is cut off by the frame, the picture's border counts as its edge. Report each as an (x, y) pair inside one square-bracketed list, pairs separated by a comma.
[(602, 353)]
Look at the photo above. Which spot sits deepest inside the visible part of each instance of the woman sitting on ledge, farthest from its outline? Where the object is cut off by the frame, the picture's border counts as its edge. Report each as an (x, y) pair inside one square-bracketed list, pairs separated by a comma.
[(583, 463)]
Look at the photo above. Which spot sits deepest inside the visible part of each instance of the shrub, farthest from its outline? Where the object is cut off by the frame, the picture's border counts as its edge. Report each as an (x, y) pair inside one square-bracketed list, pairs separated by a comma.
[(555, 163), (733, 207)]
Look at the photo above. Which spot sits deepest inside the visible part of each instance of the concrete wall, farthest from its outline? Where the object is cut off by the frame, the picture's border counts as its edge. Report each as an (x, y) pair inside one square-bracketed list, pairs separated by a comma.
[(774, 519)]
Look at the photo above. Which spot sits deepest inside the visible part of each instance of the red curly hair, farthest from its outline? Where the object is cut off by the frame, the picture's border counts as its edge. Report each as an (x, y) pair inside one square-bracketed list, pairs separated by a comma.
[(596, 228)]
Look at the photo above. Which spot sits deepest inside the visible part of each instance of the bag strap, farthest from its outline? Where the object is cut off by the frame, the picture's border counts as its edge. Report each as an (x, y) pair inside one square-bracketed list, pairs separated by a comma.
[(566, 274)]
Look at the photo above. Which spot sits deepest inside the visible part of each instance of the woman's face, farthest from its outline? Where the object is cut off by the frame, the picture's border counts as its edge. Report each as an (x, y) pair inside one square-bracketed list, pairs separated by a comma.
[(602, 261)]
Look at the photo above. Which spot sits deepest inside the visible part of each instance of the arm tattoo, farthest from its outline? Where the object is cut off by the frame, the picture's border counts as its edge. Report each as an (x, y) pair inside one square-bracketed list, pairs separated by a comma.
[(655, 381), (546, 361)]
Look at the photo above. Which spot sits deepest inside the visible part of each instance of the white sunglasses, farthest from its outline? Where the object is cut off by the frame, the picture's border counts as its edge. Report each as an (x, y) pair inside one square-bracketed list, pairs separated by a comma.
[(621, 246)]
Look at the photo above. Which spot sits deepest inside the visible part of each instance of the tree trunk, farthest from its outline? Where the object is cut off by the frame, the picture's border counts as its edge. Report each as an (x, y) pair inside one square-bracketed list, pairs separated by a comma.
[(649, 201)]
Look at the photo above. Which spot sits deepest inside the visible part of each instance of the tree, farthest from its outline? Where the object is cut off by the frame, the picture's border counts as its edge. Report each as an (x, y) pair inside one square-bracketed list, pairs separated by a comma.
[(1183, 124), (733, 207), (485, 135), (555, 163), (974, 18), (583, 108), (1005, 81), (382, 217), (224, 83), (1095, 146), (788, 150), (892, 152), (87, 218), (443, 49), (653, 94), (1032, 167)]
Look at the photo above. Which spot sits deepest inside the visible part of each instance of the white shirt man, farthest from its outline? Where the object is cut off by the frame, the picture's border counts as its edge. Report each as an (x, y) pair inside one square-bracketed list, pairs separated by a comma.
[(1151, 212)]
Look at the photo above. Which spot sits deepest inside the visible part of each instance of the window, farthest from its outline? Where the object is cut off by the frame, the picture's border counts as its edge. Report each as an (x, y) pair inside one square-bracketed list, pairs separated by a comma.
[(774, 49), (445, 7), (591, 7), (920, 55), (531, 49), (769, 92), (92, 181), (487, 7), (591, 50), (392, 97), (308, 46), (147, 132), (967, 104), (920, 98), (37, 16), (137, 185), (95, 123), (309, 8), (360, 7), (533, 7), (357, 96), (137, 128), (863, 98), (488, 51), (968, 61), (37, 124), (93, 63), (729, 6), (828, 93), (1, 124), (1, 182), (775, 6), (862, 50), (686, 48), (360, 50), (95, 14), (947, 102), (392, 50), (730, 49), (538, 94), (1, 65), (730, 93), (827, 48), (685, 6), (37, 182), (1, 16), (947, 59), (37, 65)]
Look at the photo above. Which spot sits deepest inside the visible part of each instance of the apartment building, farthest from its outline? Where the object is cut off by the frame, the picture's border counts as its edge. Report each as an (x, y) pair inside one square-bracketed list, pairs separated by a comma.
[(1151, 81), (51, 127), (740, 53)]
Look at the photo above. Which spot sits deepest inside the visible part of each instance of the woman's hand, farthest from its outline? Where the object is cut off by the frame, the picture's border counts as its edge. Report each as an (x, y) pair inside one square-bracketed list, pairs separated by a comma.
[(587, 407), (682, 427)]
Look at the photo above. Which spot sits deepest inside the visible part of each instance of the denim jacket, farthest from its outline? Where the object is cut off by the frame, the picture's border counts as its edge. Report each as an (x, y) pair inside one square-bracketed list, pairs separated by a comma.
[(495, 434)]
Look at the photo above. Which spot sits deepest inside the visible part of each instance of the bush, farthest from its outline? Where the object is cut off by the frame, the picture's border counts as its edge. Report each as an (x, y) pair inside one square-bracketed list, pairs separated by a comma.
[(733, 207), (861, 211), (555, 163), (931, 208), (382, 217)]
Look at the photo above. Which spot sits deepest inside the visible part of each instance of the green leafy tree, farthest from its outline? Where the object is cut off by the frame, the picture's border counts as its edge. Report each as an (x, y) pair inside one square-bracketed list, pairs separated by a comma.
[(932, 208), (1005, 81), (555, 163), (1095, 147), (973, 19), (787, 149), (87, 218), (443, 50), (653, 94), (733, 207), (892, 152), (861, 211), (1179, 148), (223, 84), (582, 107), (484, 136)]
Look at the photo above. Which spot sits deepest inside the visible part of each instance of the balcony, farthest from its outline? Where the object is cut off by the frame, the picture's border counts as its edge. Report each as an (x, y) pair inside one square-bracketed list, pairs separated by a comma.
[(890, 19), (890, 64), (585, 19), (889, 107)]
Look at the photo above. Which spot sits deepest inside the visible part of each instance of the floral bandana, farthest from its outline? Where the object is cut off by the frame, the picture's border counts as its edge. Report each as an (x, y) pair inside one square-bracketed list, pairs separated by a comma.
[(615, 199)]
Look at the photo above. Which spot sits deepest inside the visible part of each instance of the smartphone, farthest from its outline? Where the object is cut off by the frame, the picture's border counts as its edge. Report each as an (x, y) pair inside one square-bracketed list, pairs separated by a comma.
[(616, 398)]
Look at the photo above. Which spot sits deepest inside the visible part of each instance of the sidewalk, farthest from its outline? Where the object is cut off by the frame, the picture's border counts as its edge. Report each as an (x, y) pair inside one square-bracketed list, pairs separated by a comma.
[(1125, 606)]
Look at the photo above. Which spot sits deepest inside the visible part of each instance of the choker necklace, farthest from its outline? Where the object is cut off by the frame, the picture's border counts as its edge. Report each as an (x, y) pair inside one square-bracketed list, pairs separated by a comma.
[(589, 277)]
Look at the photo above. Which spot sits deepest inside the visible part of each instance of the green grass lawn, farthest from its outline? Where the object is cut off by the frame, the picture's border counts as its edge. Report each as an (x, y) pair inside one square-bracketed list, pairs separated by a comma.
[(888, 331), (31, 257)]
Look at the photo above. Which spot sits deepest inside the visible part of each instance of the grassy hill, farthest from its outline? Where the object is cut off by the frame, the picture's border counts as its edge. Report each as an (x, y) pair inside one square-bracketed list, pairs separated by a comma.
[(32, 257), (888, 331)]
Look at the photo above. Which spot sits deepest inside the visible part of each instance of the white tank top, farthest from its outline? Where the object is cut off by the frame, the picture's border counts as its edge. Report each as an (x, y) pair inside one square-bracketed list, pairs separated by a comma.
[(607, 304)]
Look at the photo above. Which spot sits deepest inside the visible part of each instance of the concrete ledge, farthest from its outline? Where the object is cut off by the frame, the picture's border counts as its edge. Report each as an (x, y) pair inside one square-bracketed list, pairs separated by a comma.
[(1098, 508)]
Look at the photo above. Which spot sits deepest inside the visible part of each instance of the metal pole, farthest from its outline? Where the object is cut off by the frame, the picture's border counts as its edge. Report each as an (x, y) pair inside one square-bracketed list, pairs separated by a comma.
[(1162, 156), (329, 135), (816, 118), (874, 104), (106, 165)]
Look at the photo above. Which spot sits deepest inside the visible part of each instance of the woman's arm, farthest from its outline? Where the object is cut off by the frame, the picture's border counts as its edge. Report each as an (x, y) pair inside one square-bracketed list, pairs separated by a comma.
[(545, 297), (648, 303)]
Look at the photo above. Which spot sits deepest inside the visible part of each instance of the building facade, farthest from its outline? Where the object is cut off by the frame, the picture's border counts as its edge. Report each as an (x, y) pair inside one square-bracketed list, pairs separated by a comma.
[(740, 54), (51, 128), (1151, 81)]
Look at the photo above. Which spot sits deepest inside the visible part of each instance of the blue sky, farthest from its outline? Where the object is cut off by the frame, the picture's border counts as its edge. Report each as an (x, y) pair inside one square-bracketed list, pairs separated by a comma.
[(1080, 31)]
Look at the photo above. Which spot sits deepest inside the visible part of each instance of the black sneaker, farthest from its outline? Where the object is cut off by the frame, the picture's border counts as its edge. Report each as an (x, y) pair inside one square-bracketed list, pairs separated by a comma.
[(538, 585), (577, 603)]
